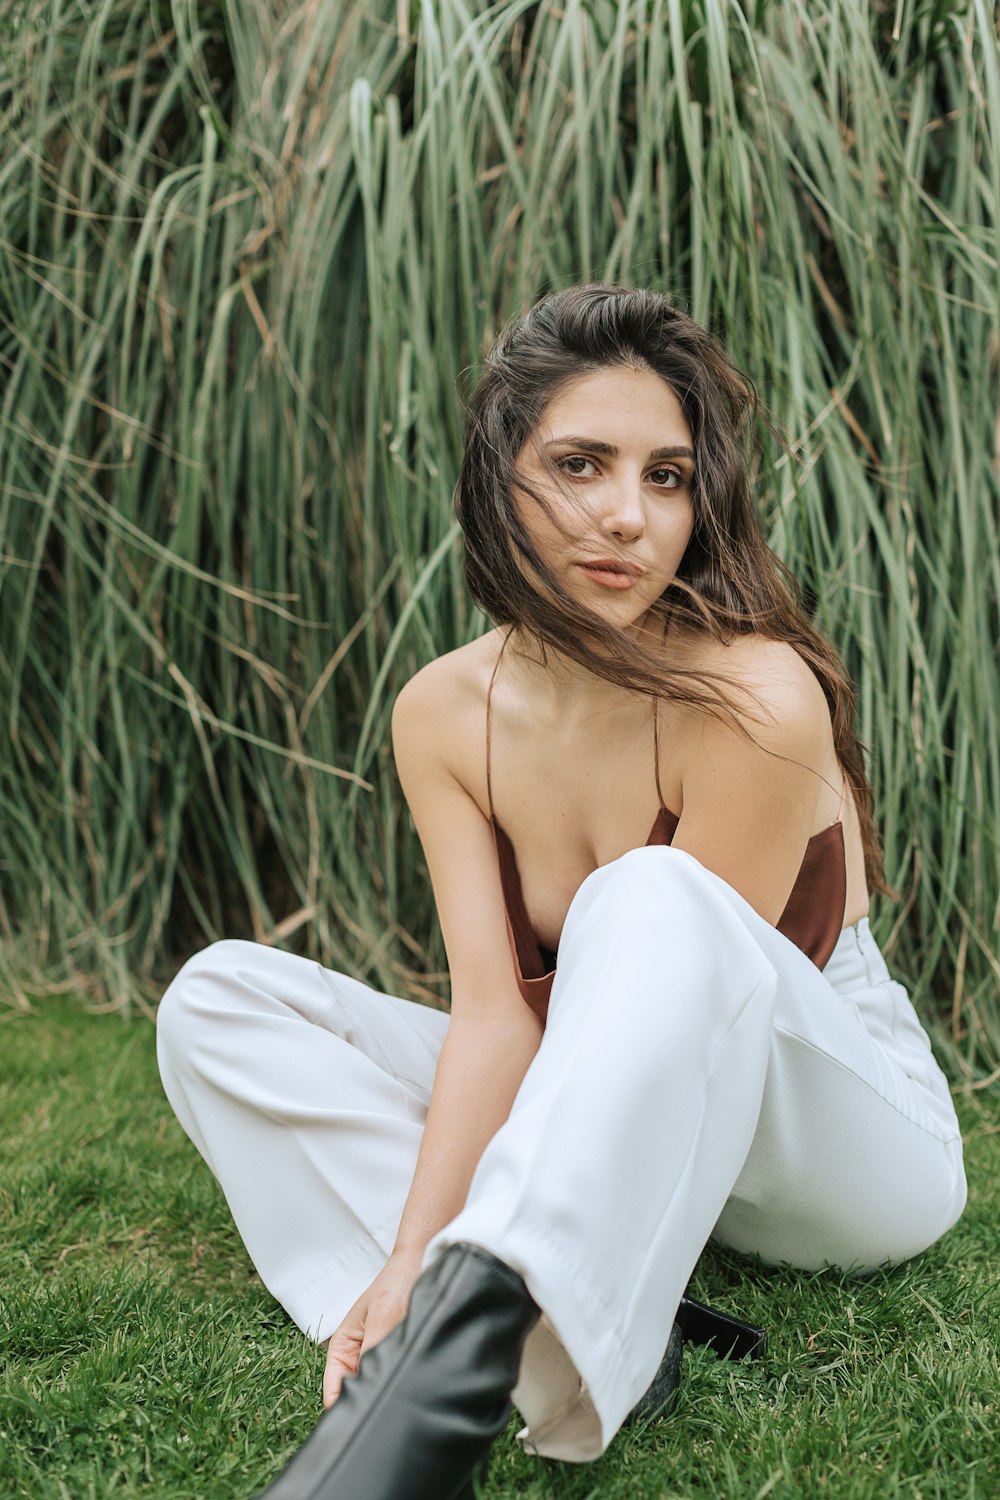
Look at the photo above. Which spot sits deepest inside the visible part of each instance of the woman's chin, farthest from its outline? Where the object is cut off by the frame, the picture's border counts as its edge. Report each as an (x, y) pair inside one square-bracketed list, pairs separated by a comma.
[(624, 611)]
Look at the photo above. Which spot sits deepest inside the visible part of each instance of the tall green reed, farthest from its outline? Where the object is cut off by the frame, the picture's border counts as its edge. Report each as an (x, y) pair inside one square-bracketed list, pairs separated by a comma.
[(251, 256)]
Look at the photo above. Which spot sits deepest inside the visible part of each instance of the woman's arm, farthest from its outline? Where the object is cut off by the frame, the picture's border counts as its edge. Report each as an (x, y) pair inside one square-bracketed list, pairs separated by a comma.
[(492, 1036)]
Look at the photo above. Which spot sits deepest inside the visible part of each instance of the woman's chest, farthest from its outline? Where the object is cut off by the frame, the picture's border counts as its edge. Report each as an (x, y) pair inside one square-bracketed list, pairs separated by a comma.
[(571, 810)]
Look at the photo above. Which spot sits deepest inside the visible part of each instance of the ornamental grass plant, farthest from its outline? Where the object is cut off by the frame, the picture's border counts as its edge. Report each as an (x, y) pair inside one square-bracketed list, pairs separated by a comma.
[(250, 257)]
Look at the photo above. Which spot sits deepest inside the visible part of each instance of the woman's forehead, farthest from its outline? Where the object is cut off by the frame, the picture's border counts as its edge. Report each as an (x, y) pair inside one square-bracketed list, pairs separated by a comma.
[(619, 407)]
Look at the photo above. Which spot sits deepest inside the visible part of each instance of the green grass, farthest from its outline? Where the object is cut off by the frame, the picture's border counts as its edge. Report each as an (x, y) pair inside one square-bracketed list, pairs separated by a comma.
[(141, 1355)]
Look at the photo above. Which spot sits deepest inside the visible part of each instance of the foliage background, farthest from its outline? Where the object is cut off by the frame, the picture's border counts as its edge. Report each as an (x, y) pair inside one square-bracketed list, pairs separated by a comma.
[(249, 257)]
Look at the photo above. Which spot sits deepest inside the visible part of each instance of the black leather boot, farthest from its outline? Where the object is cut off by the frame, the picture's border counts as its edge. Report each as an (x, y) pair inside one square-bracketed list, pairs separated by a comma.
[(660, 1396), (418, 1419)]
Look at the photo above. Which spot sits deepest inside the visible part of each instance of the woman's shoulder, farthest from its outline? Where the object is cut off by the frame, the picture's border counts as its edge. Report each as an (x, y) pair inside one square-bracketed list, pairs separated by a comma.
[(439, 710), (455, 680), (778, 707), (770, 678)]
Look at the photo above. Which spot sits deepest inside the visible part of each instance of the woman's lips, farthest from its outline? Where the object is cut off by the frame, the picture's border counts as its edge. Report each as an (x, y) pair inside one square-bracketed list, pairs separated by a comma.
[(609, 579)]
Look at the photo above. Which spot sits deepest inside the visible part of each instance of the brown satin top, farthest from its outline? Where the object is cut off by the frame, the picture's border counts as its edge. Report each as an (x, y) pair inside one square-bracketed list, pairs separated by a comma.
[(812, 919)]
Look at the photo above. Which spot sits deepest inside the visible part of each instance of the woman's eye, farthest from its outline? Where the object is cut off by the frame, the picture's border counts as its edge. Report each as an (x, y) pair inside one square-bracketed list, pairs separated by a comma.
[(575, 464), (670, 479)]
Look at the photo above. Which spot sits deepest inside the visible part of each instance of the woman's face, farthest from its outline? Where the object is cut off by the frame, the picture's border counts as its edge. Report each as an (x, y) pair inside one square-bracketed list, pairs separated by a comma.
[(614, 457)]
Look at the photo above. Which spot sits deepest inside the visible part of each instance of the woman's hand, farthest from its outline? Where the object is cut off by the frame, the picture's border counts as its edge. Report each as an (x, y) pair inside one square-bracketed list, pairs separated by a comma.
[(375, 1314)]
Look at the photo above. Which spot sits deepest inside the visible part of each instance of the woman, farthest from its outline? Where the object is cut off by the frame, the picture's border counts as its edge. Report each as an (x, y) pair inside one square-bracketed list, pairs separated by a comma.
[(511, 1199)]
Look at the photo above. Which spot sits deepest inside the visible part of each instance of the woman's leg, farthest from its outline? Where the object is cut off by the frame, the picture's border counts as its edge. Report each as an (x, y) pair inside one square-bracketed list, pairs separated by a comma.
[(306, 1092), (697, 1072)]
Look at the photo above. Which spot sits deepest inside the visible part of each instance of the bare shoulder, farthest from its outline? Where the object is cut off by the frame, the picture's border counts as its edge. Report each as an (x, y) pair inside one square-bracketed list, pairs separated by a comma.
[(777, 696), (437, 715), (750, 801)]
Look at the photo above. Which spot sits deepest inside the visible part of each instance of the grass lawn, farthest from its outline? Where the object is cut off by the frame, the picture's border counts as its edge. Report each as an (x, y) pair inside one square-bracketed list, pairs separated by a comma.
[(142, 1355)]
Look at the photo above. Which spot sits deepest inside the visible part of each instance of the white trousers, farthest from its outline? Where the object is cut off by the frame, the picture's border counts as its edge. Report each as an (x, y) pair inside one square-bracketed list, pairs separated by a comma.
[(698, 1077)]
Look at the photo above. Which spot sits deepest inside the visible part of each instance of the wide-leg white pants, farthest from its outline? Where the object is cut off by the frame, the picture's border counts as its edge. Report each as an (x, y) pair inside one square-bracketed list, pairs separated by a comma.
[(698, 1076)]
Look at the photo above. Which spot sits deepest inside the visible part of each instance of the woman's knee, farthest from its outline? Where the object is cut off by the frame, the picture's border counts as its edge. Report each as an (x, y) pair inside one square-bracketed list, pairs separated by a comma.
[(660, 889), (200, 992), (658, 927), (643, 874)]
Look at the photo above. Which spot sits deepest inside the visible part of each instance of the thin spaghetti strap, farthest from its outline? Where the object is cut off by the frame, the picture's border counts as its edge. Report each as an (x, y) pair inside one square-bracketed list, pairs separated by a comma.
[(843, 799), (656, 735), (656, 748), (489, 719)]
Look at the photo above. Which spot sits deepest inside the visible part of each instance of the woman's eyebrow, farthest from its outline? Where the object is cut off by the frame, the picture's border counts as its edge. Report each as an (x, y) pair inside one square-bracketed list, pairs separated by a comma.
[(610, 450)]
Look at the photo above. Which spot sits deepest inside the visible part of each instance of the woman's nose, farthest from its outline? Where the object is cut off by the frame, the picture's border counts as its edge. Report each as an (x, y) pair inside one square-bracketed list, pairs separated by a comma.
[(623, 515)]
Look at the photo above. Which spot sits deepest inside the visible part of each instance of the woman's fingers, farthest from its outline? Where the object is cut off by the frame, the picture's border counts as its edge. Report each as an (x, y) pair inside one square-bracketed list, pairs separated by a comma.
[(380, 1323), (372, 1317), (343, 1353)]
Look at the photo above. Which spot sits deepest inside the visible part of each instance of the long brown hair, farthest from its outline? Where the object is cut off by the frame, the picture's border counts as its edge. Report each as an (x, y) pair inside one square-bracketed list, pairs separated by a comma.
[(729, 582)]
